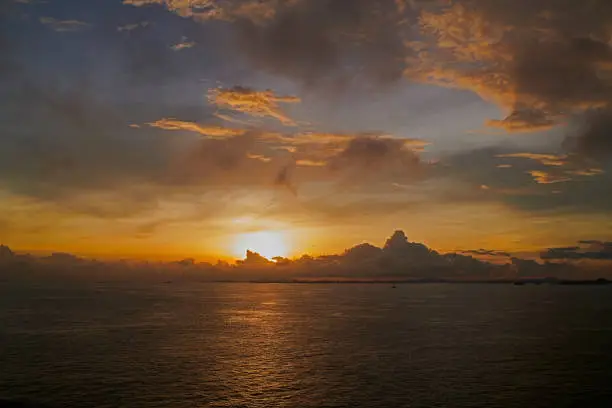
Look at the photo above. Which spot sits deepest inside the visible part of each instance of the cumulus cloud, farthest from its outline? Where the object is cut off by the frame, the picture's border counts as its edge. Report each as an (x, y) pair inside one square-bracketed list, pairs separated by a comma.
[(64, 25), (541, 61), (252, 102), (253, 259), (397, 259)]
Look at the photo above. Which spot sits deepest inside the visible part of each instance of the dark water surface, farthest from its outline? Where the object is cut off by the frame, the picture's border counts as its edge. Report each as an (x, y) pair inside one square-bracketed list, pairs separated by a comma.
[(277, 345)]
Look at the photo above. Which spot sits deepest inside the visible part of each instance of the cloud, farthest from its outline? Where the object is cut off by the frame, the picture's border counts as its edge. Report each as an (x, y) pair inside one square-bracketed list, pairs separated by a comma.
[(184, 44), (315, 40), (588, 172), (486, 252), (377, 156), (525, 120), (133, 26), (581, 192), (397, 259), (310, 163), (542, 177), (594, 242), (546, 177), (540, 61), (199, 9), (253, 259), (218, 162), (545, 159), (594, 250), (208, 131), (252, 102), (593, 137), (543, 63), (311, 40), (64, 25)]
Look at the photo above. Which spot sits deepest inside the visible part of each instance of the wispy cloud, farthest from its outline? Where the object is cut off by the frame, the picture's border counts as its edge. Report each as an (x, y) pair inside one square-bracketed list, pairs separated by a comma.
[(64, 25), (183, 44), (545, 159), (542, 177), (209, 131), (133, 26), (586, 172), (486, 252), (588, 249), (252, 102)]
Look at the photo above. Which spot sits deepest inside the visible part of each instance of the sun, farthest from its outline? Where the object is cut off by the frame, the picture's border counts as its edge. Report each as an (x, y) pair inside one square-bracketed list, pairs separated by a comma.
[(266, 243)]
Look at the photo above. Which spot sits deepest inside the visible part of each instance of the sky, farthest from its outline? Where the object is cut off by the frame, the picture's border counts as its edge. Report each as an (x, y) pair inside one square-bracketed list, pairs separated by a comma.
[(164, 129)]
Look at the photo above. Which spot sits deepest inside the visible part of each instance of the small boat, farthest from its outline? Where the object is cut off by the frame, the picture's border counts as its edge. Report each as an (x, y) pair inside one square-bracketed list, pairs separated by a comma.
[(393, 287)]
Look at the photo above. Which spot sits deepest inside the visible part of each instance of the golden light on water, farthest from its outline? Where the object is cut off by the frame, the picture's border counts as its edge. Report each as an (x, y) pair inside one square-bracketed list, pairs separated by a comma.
[(266, 243)]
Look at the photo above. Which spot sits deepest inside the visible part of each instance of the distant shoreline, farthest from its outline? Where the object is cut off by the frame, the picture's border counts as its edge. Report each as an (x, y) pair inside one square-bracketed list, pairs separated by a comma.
[(519, 282)]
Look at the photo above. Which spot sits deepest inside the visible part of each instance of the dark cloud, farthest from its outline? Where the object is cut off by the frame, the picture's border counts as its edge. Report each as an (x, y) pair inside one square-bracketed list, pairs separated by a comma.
[(327, 39), (374, 158), (398, 259), (541, 61), (594, 250), (253, 259), (283, 178), (595, 242), (5, 252), (59, 140), (593, 137), (520, 186), (544, 62), (218, 162), (486, 252)]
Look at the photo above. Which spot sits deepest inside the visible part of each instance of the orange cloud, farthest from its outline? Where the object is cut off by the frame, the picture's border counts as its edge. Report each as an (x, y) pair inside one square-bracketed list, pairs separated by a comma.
[(184, 44), (209, 131), (256, 10), (542, 177), (586, 172), (537, 61), (251, 102), (545, 159), (310, 163)]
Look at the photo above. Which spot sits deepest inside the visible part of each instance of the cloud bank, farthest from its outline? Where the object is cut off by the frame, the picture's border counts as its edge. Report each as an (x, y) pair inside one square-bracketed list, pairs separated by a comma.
[(397, 259)]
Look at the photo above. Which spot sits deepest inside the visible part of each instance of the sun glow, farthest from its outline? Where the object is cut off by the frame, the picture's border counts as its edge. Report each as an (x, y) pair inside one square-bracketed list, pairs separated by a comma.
[(266, 243)]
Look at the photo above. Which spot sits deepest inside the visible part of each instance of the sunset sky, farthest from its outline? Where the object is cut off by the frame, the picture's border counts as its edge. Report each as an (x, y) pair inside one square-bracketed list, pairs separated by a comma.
[(170, 128)]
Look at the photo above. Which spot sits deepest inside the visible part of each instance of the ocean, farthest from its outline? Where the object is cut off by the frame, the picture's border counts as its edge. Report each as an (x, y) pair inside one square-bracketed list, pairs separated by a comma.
[(304, 345)]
